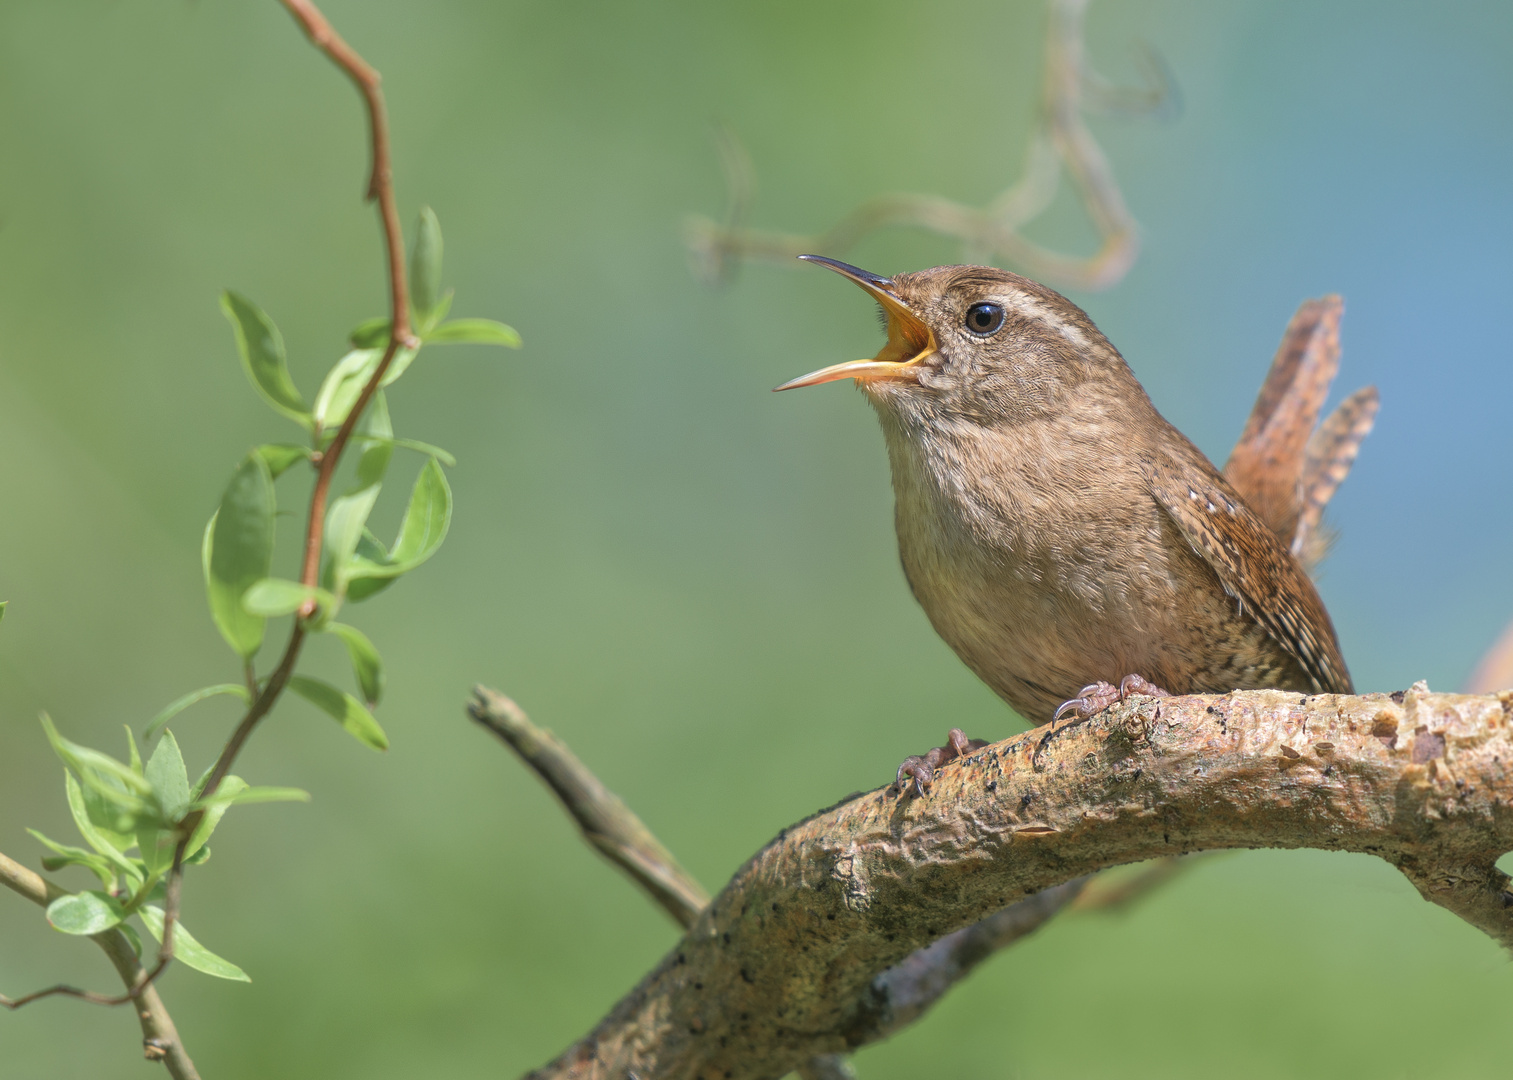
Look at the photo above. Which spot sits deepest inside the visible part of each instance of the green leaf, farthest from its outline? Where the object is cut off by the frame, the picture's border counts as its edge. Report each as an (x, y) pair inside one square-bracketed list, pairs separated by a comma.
[(136, 755), (279, 456), (114, 823), (131, 937), (169, 779), (345, 522), (436, 314), (194, 697), (374, 442), (474, 332), (68, 855), (224, 798), (343, 386), (425, 265), (170, 788), (272, 597), (371, 333), (419, 447), (374, 335), (403, 358), (366, 663), (426, 519), (369, 550), (3, 603), (345, 708), (102, 840), (156, 847), (213, 814), (190, 951), (93, 764), (262, 351), (420, 533), (238, 550), (85, 913)]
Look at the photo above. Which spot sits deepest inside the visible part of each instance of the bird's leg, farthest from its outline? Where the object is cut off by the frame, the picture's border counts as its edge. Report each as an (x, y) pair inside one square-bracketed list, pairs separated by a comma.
[(1095, 697), (922, 766)]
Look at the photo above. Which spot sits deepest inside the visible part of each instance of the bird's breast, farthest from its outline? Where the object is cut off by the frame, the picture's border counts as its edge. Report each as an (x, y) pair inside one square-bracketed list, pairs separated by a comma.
[(1041, 564)]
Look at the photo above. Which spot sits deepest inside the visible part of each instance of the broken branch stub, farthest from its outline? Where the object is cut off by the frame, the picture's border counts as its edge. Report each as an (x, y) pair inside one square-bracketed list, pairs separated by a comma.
[(781, 966)]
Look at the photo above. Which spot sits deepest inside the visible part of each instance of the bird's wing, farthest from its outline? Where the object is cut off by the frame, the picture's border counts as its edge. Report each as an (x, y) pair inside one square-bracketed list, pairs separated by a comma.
[(1250, 561)]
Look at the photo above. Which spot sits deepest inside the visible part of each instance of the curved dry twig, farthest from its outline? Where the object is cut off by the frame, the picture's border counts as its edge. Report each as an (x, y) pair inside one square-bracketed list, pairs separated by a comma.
[(1061, 140), (780, 968), (608, 824)]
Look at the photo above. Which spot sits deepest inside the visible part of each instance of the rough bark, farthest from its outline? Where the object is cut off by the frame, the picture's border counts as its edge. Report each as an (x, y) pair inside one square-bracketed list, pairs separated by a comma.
[(783, 965)]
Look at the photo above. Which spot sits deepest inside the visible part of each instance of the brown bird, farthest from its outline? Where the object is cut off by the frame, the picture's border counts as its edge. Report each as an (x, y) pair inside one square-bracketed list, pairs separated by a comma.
[(1065, 540)]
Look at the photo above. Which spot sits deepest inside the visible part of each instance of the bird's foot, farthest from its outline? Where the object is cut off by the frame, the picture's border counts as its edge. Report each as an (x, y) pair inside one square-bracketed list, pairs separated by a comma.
[(921, 767), (1094, 698)]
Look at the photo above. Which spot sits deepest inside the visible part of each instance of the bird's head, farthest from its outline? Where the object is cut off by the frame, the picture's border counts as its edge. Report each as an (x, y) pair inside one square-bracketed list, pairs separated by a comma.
[(975, 343)]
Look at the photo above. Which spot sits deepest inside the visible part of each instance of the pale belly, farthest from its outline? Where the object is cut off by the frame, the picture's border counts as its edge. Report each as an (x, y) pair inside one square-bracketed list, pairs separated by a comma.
[(1038, 624)]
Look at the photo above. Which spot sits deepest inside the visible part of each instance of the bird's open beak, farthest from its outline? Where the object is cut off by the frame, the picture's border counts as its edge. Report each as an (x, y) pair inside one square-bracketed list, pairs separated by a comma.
[(909, 339)]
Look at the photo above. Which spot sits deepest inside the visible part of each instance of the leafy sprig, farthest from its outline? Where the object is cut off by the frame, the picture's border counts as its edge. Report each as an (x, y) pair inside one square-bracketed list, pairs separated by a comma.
[(142, 824)]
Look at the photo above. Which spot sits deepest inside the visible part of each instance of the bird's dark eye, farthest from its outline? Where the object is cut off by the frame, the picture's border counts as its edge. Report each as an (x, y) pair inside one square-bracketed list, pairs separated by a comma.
[(984, 318)]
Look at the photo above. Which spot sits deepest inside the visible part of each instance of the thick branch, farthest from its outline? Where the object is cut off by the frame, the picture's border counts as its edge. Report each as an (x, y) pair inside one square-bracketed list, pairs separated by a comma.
[(607, 823), (900, 995), (781, 967), (160, 1039)]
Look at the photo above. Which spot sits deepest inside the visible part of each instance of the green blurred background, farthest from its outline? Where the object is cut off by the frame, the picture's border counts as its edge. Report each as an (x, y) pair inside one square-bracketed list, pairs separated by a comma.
[(694, 581)]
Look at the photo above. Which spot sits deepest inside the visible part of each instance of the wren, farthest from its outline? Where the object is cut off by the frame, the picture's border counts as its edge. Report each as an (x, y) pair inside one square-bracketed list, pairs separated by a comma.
[(1065, 540)]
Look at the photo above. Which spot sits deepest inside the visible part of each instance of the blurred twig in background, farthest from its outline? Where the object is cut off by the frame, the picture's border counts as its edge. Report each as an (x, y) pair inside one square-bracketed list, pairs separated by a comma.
[(1122, 886), (1495, 669), (1061, 140)]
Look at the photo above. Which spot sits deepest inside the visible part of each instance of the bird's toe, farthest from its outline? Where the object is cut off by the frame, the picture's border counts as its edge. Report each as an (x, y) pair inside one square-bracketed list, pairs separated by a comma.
[(1090, 701), (1139, 684), (921, 767)]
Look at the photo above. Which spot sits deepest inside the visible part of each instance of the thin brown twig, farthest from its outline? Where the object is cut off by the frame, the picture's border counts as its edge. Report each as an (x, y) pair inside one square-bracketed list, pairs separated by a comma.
[(381, 189), (610, 826), (1061, 141), (160, 1038)]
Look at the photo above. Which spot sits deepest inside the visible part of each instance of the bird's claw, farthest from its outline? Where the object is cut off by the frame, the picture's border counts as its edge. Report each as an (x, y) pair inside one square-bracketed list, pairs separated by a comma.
[(921, 767), (1095, 697)]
